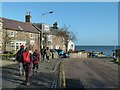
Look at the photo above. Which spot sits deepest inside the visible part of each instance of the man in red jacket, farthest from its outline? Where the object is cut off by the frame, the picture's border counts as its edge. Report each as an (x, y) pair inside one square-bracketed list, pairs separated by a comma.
[(36, 59), (27, 64)]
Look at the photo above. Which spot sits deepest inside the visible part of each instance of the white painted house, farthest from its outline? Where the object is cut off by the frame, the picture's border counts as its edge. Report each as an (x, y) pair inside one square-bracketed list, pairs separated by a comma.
[(71, 46)]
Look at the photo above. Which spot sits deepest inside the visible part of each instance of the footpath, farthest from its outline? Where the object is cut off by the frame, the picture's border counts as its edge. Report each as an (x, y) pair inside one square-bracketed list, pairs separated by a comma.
[(5, 62), (42, 79)]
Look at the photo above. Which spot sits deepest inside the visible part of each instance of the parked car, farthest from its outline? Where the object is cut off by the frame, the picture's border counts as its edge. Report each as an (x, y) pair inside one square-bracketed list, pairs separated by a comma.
[(53, 50), (64, 55), (99, 54)]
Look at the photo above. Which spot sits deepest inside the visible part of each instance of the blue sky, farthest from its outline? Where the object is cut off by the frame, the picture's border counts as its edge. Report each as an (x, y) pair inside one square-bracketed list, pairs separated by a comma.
[(94, 23)]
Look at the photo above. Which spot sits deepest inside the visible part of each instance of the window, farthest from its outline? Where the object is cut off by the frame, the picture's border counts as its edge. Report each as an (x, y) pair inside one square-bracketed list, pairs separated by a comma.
[(32, 42), (31, 35), (12, 44), (49, 38), (20, 27), (71, 45), (12, 34), (17, 46), (49, 42)]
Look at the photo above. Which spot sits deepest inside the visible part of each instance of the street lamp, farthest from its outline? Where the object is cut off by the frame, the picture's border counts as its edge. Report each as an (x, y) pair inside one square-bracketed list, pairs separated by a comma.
[(43, 26)]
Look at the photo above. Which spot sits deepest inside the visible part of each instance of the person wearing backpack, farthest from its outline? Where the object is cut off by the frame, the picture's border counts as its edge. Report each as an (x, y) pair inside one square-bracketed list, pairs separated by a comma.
[(19, 58), (36, 59), (27, 64)]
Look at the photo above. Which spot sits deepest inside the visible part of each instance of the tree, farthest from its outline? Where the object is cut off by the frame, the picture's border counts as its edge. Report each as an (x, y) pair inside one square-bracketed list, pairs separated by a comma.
[(67, 35)]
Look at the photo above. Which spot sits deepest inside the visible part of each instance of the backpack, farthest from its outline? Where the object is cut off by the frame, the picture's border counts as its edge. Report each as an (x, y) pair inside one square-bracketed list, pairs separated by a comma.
[(26, 57), (19, 55), (35, 56)]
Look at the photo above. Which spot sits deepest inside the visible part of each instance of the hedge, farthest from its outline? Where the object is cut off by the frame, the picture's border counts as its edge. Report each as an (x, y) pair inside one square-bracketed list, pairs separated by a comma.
[(7, 56)]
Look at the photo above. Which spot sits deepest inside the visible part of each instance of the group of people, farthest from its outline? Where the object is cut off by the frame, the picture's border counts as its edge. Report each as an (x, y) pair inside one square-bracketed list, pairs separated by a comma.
[(45, 52), (28, 60)]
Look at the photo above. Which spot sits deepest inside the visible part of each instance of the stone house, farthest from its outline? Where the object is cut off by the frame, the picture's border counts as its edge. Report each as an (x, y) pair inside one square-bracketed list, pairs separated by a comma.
[(1, 35), (51, 39), (55, 42), (16, 33)]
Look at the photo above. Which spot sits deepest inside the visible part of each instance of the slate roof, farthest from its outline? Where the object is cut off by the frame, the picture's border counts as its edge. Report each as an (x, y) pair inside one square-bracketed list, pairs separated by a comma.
[(18, 25)]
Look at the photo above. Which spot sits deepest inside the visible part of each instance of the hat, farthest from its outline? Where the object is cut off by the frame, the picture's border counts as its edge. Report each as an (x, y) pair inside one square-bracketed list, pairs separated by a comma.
[(36, 50), (22, 46)]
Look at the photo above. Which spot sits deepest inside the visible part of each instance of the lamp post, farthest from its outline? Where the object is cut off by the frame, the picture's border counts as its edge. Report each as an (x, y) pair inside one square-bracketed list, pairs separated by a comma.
[(43, 26)]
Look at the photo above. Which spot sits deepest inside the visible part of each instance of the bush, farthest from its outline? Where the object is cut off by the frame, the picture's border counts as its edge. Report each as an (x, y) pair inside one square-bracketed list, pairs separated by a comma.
[(7, 56)]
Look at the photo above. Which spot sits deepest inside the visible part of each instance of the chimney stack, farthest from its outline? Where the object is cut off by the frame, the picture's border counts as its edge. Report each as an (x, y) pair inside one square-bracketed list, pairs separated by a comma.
[(55, 25), (28, 17)]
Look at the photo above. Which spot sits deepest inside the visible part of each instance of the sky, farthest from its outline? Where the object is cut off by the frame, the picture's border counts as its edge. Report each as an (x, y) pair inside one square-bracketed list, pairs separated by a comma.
[(94, 23)]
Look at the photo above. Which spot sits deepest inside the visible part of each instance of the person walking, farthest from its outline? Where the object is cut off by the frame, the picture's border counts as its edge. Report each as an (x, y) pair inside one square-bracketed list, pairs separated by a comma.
[(43, 52), (47, 54), (27, 64), (36, 59), (19, 58), (58, 51)]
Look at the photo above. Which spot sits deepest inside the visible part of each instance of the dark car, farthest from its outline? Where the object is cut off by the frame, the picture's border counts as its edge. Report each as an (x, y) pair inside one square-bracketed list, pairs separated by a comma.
[(53, 50), (64, 55)]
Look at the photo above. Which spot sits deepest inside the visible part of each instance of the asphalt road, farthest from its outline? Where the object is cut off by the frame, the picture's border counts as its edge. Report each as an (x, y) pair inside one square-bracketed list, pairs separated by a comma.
[(42, 79), (90, 73)]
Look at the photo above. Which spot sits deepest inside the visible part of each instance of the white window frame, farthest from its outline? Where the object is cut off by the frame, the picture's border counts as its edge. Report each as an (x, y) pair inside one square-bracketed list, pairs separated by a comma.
[(49, 38), (12, 44), (31, 35), (11, 34)]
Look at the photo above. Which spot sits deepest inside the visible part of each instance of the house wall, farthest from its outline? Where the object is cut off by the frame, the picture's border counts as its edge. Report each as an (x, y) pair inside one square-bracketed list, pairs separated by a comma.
[(1, 37), (56, 42), (15, 39), (71, 46)]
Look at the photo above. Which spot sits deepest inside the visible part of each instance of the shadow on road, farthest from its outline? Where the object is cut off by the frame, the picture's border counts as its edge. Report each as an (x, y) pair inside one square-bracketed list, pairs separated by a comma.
[(39, 80), (74, 83), (12, 79)]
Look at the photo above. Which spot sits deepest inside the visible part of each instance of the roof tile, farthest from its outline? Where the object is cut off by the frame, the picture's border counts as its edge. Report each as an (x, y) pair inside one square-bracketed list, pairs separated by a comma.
[(18, 25)]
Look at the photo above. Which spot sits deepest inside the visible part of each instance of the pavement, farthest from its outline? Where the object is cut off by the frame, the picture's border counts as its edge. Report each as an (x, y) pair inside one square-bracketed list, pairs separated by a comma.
[(6, 62), (42, 79)]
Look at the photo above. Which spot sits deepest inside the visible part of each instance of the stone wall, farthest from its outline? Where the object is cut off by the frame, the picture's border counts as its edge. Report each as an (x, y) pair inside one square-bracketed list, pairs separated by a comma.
[(78, 55), (1, 36), (31, 39), (57, 42)]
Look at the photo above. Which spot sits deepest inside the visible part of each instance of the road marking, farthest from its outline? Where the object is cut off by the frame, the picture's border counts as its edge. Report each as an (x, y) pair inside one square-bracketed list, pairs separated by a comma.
[(55, 67), (55, 81), (64, 81)]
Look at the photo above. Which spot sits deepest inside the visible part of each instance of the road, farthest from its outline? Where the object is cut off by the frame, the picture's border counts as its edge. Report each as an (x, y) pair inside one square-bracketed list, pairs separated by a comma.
[(42, 79), (78, 73), (90, 73)]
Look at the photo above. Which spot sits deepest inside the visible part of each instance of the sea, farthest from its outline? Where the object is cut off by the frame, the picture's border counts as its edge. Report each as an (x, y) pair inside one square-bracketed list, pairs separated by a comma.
[(107, 50)]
